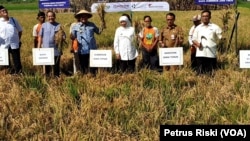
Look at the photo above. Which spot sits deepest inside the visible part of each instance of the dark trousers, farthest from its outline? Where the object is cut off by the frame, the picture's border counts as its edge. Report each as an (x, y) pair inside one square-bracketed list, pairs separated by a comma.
[(77, 65), (149, 59), (193, 61), (205, 65), (193, 58), (15, 53), (84, 64), (56, 67), (127, 65)]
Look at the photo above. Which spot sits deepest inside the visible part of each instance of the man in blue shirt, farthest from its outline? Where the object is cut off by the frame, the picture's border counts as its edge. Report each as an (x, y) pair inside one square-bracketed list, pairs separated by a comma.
[(84, 33), (46, 39)]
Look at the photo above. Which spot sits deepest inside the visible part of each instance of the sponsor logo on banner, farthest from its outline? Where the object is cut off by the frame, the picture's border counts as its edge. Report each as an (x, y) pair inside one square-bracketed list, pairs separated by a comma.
[(155, 6), (132, 6), (121, 6)]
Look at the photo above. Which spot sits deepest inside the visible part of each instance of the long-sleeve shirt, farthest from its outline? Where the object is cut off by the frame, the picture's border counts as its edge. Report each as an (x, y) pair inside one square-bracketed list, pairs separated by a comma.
[(47, 33), (13, 39), (7, 31), (208, 36), (84, 33), (124, 43), (190, 35)]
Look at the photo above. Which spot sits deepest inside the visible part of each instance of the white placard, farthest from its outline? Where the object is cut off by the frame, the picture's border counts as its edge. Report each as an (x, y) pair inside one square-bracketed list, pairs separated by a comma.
[(132, 6), (100, 58), (171, 56), (244, 58), (4, 57), (43, 56)]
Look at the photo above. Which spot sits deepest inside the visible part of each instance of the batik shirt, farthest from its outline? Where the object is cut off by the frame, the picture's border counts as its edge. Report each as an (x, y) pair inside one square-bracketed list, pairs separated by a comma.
[(85, 36)]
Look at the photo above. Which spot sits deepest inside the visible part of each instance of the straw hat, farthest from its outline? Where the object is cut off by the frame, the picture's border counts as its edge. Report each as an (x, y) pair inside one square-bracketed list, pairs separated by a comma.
[(83, 12)]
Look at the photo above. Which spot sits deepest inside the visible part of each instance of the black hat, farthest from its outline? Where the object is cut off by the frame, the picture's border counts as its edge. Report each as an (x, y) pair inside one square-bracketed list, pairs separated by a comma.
[(1, 7)]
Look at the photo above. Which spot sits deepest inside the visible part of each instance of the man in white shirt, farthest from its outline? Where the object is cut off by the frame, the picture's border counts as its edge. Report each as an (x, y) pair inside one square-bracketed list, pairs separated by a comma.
[(13, 32), (205, 39), (6, 32)]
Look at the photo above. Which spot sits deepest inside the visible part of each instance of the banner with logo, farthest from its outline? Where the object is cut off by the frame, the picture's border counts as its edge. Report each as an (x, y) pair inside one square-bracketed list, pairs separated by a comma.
[(132, 6), (219, 2), (54, 4)]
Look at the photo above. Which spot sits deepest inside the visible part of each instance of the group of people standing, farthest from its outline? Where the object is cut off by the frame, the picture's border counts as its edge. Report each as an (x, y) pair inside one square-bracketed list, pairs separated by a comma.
[(202, 39)]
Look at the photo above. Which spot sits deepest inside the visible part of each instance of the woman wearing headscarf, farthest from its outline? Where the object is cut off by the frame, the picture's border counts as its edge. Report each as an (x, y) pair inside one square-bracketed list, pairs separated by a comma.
[(124, 45)]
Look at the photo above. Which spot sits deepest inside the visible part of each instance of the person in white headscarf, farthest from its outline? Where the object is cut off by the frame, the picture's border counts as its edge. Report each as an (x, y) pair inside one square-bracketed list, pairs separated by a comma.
[(124, 45)]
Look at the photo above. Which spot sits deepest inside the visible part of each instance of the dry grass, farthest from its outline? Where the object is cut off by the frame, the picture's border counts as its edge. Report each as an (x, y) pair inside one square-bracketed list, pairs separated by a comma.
[(120, 107)]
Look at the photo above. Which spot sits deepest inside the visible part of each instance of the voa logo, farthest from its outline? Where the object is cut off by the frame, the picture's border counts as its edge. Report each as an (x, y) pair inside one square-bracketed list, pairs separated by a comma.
[(233, 132)]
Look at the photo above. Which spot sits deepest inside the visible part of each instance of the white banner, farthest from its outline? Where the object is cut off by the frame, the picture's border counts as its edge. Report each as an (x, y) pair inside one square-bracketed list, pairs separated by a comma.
[(132, 6), (171, 56), (4, 57), (43, 56)]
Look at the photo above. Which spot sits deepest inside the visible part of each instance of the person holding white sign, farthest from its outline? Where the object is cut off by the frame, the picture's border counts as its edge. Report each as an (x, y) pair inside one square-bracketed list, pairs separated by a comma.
[(46, 39), (84, 32), (149, 39), (124, 45), (171, 36), (205, 39), (13, 37)]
